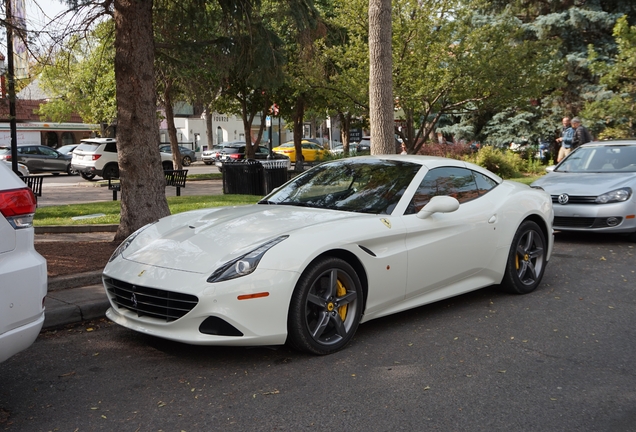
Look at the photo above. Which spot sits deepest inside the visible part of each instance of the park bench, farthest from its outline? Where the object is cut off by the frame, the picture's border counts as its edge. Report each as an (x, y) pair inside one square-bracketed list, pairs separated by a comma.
[(174, 178), (35, 183)]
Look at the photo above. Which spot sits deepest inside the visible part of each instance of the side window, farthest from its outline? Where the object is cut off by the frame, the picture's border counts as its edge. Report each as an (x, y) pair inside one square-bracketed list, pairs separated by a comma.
[(456, 182), (111, 147), (484, 183), (263, 150), (47, 151)]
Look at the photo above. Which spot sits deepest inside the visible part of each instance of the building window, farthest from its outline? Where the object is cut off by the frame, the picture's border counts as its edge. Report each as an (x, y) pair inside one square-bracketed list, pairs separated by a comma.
[(68, 138), (50, 139)]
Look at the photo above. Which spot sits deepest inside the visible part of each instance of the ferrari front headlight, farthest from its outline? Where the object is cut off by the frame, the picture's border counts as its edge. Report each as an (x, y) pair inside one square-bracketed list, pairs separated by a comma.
[(618, 195), (245, 264)]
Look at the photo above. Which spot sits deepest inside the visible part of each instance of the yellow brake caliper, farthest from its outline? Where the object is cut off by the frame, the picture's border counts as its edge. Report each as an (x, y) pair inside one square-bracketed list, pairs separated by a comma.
[(341, 291)]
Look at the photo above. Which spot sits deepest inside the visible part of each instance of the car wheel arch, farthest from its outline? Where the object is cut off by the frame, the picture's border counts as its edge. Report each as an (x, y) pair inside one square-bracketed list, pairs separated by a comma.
[(351, 259), (541, 222)]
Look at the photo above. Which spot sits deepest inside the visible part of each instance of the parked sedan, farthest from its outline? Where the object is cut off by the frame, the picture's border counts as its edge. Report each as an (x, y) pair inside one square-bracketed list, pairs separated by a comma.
[(23, 280), (235, 151), (67, 149), (312, 152), (346, 242), (187, 156), (40, 159), (593, 188), (209, 156)]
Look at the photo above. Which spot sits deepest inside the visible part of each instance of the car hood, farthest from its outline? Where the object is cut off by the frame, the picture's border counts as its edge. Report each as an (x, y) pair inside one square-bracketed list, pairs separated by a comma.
[(584, 184), (201, 240)]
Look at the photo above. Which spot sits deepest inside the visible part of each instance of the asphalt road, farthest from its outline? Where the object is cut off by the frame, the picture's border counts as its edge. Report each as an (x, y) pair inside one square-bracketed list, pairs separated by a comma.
[(559, 359)]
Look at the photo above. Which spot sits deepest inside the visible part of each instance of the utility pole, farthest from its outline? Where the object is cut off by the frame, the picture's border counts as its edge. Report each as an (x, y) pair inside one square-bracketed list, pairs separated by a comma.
[(11, 88)]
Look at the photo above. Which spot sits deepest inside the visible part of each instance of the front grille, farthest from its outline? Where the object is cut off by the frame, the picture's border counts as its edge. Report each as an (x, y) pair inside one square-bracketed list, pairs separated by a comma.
[(583, 222), (152, 302), (576, 199)]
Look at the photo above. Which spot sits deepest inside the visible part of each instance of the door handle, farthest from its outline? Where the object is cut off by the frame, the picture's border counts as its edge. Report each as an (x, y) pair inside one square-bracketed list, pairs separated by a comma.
[(492, 219)]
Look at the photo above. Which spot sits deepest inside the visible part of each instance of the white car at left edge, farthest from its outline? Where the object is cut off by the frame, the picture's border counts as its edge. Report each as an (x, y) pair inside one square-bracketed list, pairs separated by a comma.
[(23, 279), (345, 242)]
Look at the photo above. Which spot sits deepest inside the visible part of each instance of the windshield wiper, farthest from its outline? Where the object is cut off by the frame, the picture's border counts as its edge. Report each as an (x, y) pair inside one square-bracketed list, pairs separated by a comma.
[(267, 202)]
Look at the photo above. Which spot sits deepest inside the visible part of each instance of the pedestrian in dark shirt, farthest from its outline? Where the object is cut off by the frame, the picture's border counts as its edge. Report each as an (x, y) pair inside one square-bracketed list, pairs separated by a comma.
[(581, 134)]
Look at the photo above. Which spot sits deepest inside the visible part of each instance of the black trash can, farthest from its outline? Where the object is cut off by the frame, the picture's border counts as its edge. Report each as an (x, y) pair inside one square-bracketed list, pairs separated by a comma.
[(243, 177), (274, 173)]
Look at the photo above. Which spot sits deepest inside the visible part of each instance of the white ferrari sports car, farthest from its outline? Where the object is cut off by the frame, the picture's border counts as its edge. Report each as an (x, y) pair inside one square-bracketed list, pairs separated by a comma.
[(343, 243)]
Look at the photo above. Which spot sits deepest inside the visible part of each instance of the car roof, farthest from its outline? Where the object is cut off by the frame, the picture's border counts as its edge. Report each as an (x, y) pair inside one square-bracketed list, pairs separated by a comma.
[(628, 142), (99, 140)]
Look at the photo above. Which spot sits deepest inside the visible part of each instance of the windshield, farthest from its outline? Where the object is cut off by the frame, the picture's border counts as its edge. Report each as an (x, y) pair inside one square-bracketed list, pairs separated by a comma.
[(599, 159), (357, 185)]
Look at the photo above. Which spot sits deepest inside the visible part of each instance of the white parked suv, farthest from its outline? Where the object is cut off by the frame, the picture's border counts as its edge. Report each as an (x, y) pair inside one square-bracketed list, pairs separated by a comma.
[(23, 281), (98, 157)]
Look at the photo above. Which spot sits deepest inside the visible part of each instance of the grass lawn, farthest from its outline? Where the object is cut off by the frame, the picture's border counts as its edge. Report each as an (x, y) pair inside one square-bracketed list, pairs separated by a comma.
[(63, 215)]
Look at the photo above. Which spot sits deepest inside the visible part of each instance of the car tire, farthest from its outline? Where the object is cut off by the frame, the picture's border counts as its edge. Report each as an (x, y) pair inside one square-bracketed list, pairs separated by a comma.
[(186, 161), (526, 260), (70, 171), (207, 163), (89, 177), (110, 172), (325, 308)]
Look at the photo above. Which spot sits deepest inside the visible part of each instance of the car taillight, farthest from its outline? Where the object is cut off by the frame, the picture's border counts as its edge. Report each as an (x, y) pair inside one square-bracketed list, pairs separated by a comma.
[(235, 156), (95, 157), (18, 206)]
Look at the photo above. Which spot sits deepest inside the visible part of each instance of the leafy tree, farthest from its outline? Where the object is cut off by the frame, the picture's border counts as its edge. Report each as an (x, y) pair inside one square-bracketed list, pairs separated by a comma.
[(468, 63), (345, 54), (613, 115), (81, 79), (576, 25)]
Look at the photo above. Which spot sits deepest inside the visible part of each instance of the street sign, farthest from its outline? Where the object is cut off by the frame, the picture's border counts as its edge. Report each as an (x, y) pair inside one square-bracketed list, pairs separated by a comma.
[(268, 121)]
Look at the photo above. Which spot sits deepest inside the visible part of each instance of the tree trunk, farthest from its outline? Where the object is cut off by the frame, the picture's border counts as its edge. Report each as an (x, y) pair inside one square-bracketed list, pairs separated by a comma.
[(345, 127), (298, 118), (380, 78), (143, 198), (209, 133), (172, 130)]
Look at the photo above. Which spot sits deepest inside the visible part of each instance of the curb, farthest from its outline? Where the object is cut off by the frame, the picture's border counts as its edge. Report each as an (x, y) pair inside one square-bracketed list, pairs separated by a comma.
[(75, 305), (75, 280), (61, 229)]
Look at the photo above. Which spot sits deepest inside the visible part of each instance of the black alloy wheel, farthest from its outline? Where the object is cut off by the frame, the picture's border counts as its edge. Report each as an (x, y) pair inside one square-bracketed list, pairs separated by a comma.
[(326, 307), (526, 260)]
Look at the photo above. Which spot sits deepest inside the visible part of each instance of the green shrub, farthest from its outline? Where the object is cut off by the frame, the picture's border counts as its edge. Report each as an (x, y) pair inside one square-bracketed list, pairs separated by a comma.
[(503, 163)]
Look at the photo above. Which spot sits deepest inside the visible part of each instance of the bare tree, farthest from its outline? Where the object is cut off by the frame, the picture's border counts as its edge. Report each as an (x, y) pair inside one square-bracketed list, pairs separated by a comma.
[(380, 78)]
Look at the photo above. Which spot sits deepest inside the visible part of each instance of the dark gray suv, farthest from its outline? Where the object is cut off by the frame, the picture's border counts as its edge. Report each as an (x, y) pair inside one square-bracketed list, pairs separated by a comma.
[(40, 159)]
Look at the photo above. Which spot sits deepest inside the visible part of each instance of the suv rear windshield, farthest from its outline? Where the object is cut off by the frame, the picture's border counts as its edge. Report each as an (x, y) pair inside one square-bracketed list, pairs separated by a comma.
[(93, 146)]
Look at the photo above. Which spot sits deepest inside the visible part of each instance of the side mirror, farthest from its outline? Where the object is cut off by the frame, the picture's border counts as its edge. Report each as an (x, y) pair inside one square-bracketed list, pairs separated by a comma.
[(438, 204)]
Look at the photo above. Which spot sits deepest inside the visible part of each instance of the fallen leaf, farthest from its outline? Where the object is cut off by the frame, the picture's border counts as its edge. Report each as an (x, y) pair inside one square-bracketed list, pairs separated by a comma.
[(603, 259), (90, 329), (67, 374), (502, 371), (161, 404), (271, 392)]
